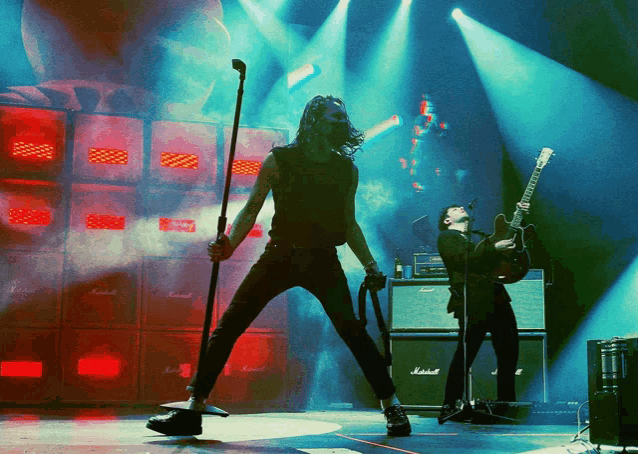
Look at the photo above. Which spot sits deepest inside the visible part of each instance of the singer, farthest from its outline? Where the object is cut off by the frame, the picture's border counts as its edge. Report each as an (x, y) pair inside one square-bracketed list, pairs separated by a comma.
[(488, 308), (314, 182)]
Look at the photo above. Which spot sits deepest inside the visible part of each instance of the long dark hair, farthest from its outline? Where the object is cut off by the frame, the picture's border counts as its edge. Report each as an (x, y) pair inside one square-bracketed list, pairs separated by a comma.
[(312, 113)]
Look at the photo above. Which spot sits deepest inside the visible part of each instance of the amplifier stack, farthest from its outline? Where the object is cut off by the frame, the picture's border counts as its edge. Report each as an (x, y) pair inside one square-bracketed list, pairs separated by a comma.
[(424, 337)]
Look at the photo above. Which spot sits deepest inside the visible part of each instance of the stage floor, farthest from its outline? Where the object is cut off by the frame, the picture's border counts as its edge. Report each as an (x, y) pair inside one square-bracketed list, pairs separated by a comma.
[(122, 430)]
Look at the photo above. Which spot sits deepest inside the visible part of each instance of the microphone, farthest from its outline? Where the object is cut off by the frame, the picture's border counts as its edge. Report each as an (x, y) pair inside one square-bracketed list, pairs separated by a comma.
[(472, 204), (239, 65)]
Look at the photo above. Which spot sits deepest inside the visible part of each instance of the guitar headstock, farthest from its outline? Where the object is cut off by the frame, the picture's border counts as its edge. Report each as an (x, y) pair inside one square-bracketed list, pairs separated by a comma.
[(543, 157)]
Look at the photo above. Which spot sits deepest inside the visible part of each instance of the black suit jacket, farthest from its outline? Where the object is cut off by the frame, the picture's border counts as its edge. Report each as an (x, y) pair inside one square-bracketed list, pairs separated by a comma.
[(483, 294)]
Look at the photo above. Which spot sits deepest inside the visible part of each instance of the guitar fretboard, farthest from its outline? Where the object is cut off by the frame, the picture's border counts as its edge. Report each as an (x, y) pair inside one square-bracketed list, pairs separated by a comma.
[(529, 190)]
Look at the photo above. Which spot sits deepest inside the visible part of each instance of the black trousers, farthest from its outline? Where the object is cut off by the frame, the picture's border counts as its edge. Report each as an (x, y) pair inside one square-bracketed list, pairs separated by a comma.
[(502, 325), (278, 269)]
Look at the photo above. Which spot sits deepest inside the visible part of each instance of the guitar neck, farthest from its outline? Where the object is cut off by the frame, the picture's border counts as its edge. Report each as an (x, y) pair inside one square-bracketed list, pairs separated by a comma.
[(529, 190)]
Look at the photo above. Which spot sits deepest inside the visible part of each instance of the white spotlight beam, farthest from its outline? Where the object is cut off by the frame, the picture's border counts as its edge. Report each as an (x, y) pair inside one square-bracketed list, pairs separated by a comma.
[(381, 129), (302, 75)]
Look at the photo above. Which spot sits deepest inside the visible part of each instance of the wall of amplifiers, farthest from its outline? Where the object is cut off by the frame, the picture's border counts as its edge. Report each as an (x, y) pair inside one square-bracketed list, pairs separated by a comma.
[(424, 337), (104, 276)]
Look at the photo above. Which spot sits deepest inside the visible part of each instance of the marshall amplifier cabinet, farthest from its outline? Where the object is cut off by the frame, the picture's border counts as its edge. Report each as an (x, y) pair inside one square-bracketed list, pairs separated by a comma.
[(421, 304), (421, 362), (612, 366)]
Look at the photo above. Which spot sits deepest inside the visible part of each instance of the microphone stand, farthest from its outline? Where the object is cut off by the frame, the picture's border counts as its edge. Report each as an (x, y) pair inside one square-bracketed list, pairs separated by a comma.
[(221, 227), (464, 411)]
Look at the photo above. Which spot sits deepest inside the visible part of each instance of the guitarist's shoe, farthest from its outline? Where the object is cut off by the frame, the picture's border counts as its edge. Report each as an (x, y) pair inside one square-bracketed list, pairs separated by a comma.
[(398, 423)]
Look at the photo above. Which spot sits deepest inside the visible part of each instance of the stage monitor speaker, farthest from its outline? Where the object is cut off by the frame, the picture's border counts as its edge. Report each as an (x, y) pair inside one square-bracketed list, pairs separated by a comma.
[(421, 362), (421, 304), (612, 367)]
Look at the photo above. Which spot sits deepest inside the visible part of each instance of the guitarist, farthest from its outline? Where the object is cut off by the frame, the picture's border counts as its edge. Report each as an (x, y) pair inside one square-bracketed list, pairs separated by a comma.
[(488, 307)]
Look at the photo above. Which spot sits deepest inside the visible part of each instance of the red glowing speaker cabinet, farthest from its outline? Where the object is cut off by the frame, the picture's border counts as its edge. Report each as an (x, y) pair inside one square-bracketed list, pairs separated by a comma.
[(101, 297), (31, 289), (255, 371), (174, 293), (108, 148), (103, 221), (168, 362), (183, 153), (29, 365), (253, 144), (100, 365), (32, 142), (180, 223), (32, 215)]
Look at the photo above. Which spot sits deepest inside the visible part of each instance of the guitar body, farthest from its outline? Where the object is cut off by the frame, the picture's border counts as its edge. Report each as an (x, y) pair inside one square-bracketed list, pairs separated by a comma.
[(511, 267)]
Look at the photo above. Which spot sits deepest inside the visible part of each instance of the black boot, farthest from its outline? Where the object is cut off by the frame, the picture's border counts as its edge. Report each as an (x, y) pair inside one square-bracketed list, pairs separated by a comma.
[(177, 422), (398, 423)]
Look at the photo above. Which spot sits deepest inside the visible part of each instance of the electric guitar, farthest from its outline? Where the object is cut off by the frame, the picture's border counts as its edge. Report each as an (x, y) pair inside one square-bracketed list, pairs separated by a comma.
[(512, 267)]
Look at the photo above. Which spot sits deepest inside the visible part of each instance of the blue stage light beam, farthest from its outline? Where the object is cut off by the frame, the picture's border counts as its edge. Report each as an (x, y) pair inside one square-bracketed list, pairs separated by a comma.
[(324, 51), (276, 6), (538, 102), (327, 51), (384, 77), (281, 38)]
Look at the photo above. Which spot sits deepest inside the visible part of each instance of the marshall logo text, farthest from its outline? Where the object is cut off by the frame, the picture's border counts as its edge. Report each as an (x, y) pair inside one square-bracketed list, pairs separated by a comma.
[(179, 295), (418, 371), (518, 372)]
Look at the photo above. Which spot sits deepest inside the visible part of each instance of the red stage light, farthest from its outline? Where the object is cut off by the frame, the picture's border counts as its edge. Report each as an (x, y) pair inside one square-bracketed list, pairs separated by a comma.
[(105, 222), (244, 167), (179, 160), (99, 366), (176, 225), (256, 232), (26, 216), (21, 369), (108, 156), (32, 149)]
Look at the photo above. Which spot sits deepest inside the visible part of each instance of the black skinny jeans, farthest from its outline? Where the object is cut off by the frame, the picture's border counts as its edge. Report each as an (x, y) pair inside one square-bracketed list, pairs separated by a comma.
[(502, 325), (278, 269)]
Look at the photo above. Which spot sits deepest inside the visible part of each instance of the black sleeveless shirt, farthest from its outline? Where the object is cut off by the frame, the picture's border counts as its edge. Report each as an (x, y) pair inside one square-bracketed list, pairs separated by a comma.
[(310, 198)]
